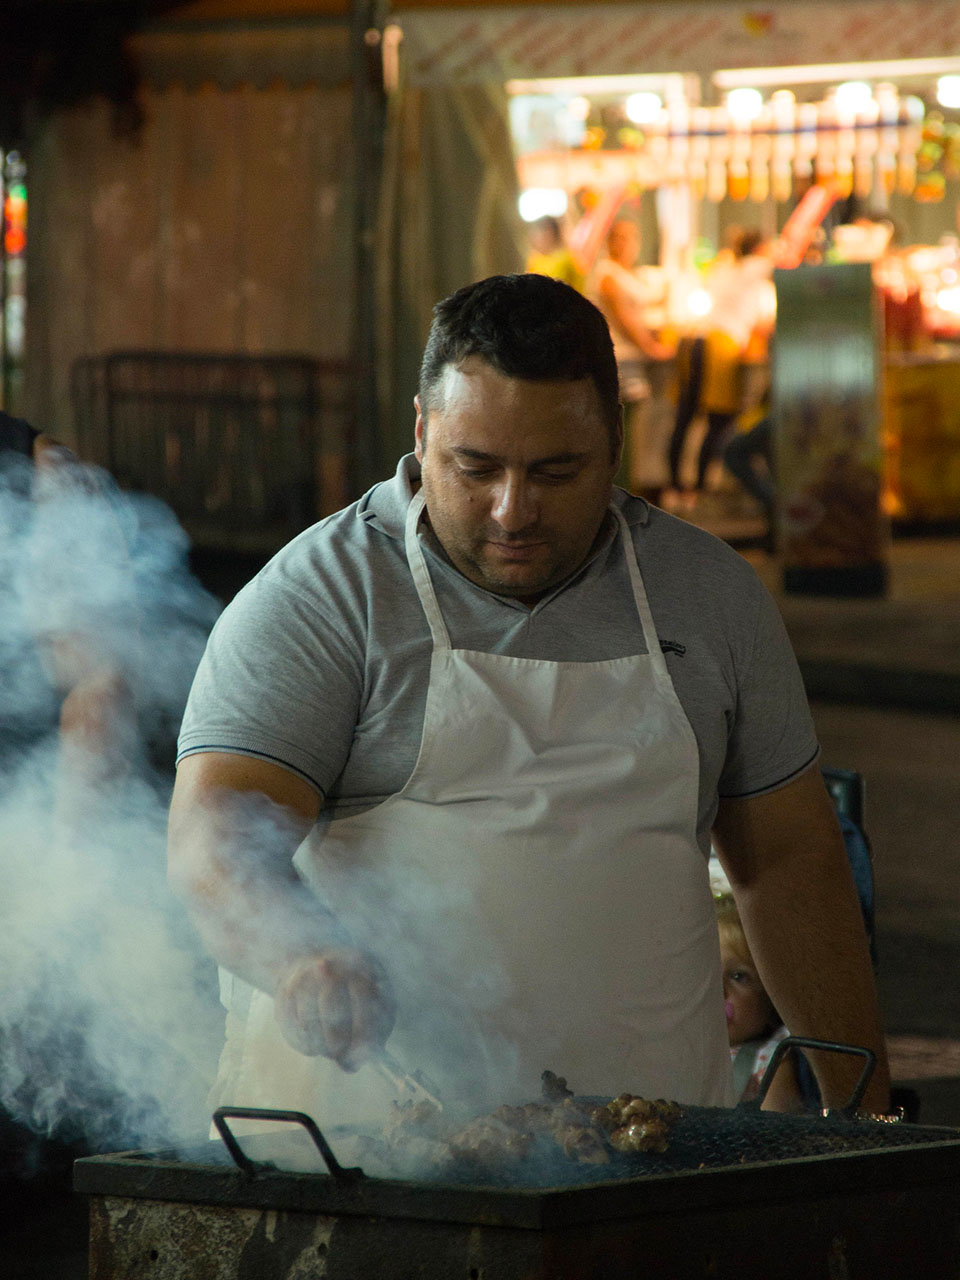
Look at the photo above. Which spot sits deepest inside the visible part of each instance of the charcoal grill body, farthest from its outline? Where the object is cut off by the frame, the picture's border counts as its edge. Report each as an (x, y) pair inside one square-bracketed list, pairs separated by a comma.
[(859, 1215)]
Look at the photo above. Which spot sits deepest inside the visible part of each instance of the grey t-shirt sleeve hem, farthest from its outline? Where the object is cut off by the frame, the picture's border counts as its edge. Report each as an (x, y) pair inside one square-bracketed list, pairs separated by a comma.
[(232, 748), (776, 785)]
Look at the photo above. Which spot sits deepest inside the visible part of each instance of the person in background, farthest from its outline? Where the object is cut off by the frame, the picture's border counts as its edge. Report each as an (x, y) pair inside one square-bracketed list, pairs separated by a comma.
[(549, 255), (633, 302), (91, 700), (753, 1025), (709, 366), (748, 456), (19, 439), (452, 763), (59, 689)]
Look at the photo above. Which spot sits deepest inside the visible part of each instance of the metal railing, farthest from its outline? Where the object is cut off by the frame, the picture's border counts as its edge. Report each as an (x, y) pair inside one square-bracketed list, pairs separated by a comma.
[(247, 450)]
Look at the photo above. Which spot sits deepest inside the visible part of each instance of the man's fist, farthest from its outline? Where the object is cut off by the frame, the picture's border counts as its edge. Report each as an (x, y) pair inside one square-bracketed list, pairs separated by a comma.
[(338, 1003)]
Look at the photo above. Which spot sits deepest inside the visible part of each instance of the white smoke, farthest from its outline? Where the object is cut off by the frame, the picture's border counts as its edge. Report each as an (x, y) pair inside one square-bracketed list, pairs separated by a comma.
[(109, 1024)]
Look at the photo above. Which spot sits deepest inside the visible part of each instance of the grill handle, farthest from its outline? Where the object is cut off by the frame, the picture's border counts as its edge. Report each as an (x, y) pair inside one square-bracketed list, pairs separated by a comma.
[(802, 1042), (249, 1167)]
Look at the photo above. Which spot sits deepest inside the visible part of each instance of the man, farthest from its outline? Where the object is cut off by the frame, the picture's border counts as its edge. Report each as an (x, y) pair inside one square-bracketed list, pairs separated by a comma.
[(500, 707)]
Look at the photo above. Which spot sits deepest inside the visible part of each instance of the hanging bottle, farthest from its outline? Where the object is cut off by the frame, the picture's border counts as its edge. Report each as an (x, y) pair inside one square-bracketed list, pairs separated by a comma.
[(719, 154), (866, 149), (888, 136), (910, 140), (825, 159), (806, 148), (783, 107)]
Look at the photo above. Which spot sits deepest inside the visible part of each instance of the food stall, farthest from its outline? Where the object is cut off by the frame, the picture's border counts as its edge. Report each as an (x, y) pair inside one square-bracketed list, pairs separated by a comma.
[(700, 116), (859, 146)]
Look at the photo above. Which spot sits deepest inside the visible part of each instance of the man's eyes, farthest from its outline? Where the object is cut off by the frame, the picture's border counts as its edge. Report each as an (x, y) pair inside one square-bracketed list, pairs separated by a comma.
[(547, 475)]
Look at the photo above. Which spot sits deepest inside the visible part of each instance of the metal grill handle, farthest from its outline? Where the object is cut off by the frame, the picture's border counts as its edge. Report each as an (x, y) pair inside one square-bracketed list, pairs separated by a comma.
[(248, 1166), (802, 1042)]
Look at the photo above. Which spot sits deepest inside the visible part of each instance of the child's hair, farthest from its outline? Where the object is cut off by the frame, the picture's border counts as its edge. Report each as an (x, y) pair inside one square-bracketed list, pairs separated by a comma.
[(731, 930), (731, 933)]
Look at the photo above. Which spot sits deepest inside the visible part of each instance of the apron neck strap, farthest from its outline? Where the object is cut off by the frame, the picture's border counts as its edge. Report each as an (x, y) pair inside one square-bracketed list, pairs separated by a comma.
[(421, 574), (650, 637)]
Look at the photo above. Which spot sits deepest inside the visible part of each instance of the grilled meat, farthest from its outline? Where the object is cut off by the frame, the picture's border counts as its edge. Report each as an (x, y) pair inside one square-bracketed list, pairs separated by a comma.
[(584, 1133)]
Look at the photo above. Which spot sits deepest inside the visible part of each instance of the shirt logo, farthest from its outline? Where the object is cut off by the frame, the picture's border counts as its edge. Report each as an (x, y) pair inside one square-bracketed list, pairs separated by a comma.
[(673, 646)]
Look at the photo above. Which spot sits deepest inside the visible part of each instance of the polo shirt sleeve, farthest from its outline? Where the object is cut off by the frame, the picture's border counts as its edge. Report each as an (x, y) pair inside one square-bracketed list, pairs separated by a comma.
[(280, 679), (772, 737)]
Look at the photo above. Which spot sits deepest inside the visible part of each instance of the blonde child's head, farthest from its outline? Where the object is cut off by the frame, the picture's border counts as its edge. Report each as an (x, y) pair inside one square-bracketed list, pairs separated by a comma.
[(750, 1012)]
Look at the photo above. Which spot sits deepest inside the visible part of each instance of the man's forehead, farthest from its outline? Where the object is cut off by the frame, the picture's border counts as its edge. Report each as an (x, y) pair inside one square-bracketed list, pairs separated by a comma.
[(475, 377)]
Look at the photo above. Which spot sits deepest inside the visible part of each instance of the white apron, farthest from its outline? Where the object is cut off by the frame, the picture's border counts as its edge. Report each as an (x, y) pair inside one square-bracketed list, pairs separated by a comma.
[(536, 890)]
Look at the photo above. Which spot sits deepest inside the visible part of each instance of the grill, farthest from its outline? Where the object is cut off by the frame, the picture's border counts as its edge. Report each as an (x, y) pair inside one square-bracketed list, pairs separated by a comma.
[(739, 1193)]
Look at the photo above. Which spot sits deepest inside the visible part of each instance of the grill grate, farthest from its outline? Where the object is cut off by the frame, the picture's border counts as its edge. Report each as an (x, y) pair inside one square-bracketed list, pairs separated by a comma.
[(711, 1138)]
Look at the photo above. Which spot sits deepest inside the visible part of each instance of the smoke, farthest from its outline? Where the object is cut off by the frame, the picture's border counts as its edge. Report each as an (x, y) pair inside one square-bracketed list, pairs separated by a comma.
[(109, 1023)]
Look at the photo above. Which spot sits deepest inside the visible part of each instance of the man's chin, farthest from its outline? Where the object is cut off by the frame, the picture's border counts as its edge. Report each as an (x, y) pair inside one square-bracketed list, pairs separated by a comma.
[(518, 581), (504, 577)]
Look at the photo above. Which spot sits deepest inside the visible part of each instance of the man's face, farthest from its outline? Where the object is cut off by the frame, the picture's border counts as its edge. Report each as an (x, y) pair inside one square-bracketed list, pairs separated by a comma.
[(517, 476)]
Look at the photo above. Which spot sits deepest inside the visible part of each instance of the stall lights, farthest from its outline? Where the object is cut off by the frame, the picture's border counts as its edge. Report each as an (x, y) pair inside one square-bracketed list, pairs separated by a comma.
[(948, 91), (744, 105), (832, 72), (541, 202), (15, 219), (699, 303), (859, 139), (643, 108), (949, 300), (853, 96)]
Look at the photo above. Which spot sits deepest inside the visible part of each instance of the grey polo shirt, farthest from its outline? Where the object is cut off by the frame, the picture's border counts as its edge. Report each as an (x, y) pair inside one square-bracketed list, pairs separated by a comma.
[(321, 663)]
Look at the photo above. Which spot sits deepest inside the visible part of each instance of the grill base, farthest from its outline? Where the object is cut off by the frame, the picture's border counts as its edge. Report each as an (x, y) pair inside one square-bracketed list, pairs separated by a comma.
[(869, 1236), (872, 1215)]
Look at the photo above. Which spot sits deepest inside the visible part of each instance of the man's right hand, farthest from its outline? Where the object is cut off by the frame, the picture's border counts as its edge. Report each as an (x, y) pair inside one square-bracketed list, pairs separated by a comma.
[(337, 1003), (235, 825)]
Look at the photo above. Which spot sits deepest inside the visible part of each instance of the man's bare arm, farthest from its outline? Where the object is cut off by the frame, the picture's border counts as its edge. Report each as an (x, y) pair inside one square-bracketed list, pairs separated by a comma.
[(235, 824), (785, 859)]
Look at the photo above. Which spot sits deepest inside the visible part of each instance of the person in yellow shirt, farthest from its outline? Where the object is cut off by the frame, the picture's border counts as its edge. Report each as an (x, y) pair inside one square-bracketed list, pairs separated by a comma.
[(711, 363), (549, 255)]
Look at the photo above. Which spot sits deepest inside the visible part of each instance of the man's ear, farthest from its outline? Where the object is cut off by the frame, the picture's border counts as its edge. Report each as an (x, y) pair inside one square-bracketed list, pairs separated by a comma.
[(419, 430)]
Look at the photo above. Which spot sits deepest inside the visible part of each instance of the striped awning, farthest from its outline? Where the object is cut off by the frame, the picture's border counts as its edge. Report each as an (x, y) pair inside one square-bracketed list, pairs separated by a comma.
[(476, 44)]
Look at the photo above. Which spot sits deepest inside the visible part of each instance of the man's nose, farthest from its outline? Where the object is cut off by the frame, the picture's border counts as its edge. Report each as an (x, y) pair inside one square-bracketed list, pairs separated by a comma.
[(514, 504)]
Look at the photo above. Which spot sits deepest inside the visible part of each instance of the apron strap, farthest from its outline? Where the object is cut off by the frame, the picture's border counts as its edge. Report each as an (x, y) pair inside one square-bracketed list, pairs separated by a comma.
[(650, 637), (421, 574)]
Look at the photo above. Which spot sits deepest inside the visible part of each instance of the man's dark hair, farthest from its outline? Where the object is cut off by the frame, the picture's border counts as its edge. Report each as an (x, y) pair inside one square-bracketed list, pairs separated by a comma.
[(525, 326)]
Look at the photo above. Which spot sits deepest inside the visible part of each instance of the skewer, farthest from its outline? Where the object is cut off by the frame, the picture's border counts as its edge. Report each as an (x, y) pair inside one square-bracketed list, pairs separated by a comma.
[(402, 1080)]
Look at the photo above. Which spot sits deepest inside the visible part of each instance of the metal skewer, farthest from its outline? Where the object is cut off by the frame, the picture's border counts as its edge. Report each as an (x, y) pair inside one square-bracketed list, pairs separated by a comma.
[(403, 1081)]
